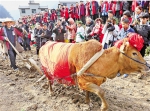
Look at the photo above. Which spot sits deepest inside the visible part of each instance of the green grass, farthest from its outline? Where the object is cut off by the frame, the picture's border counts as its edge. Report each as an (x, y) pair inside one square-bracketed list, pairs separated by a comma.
[(147, 51)]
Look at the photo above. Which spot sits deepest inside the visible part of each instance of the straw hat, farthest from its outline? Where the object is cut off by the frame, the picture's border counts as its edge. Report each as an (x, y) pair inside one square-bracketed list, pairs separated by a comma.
[(9, 20)]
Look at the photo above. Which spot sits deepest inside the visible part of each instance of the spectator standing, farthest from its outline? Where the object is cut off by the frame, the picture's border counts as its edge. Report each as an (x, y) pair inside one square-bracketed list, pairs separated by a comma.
[(109, 32), (71, 30), (80, 32), (123, 33), (95, 8), (88, 9), (77, 11), (72, 12), (89, 26), (66, 13), (125, 5), (59, 30), (96, 33), (144, 30), (82, 12), (104, 9)]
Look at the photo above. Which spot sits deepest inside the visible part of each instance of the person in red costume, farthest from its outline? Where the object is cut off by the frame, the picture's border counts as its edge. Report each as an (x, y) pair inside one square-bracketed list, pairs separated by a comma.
[(95, 8), (53, 15), (72, 12), (134, 5), (104, 11), (82, 12), (77, 11), (87, 7), (66, 13), (62, 11)]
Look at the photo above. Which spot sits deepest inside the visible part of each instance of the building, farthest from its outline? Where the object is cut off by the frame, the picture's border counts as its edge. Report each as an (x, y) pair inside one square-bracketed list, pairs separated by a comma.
[(32, 8)]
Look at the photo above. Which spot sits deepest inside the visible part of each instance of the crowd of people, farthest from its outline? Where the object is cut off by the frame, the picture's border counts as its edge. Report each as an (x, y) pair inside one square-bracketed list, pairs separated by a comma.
[(104, 21)]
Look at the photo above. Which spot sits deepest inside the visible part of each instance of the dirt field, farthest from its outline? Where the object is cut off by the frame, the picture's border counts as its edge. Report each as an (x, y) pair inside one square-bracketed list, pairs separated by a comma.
[(20, 92)]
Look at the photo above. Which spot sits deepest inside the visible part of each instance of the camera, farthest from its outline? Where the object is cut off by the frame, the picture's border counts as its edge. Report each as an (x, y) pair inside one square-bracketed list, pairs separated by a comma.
[(109, 24)]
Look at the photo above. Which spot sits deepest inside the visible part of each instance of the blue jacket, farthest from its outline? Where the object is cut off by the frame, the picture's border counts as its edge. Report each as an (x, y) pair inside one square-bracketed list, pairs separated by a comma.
[(122, 33)]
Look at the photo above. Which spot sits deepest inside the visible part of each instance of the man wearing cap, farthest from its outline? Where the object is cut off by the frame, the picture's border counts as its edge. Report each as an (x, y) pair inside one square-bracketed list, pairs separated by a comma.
[(8, 34), (144, 30)]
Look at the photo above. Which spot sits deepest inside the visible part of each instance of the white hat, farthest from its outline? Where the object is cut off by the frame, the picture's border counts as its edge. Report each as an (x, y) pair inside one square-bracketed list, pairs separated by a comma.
[(8, 20)]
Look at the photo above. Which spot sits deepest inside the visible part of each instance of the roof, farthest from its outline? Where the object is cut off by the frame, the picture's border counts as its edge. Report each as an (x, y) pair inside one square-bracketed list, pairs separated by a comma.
[(61, 2), (24, 7), (33, 3), (41, 7)]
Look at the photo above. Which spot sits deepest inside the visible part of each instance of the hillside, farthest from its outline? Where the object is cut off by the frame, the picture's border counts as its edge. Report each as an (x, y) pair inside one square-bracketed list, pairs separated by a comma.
[(4, 13)]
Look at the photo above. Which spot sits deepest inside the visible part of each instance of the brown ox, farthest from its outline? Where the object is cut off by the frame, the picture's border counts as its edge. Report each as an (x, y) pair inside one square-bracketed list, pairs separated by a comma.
[(108, 65)]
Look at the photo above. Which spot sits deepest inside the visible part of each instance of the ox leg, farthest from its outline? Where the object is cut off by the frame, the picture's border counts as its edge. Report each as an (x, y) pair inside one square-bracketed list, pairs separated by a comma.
[(50, 88), (87, 99), (97, 90)]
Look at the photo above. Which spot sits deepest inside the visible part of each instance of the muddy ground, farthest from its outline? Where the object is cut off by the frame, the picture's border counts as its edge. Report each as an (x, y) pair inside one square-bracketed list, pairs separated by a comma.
[(20, 92)]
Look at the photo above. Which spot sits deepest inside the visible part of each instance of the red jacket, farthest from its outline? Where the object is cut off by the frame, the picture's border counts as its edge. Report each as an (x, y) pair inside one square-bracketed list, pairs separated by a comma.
[(29, 35), (107, 6), (77, 12), (66, 14), (87, 9), (18, 33), (134, 5), (53, 16), (82, 10), (114, 7), (62, 12), (98, 31), (45, 19), (72, 12)]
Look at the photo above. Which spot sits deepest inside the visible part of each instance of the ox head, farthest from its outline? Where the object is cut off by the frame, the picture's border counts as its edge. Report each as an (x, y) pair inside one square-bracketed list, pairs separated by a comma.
[(131, 58)]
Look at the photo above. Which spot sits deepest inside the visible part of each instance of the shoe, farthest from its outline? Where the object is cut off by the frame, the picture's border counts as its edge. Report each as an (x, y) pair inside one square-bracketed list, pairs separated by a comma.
[(118, 74), (15, 68), (125, 75)]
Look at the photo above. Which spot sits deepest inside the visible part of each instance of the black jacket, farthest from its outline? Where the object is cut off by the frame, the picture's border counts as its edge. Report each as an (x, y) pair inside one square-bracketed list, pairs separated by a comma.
[(59, 33), (144, 31)]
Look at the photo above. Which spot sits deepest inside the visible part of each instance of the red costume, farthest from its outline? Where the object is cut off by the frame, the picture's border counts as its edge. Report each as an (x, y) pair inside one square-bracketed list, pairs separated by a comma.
[(87, 7), (66, 14), (72, 12), (77, 12)]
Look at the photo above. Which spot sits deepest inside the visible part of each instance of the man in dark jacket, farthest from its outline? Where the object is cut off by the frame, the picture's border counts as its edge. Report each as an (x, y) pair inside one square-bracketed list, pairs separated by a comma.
[(59, 30), (38, 33), (50, 27), (144, 30), (46, 35), (89, 26)]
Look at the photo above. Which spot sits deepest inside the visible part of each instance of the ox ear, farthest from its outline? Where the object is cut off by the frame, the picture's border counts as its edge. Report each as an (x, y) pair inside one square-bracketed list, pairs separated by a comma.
[(124, 46)]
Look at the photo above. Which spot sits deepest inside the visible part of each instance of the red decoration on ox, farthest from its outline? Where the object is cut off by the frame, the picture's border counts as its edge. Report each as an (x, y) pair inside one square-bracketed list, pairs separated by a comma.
[(55, 64), (134, 39)]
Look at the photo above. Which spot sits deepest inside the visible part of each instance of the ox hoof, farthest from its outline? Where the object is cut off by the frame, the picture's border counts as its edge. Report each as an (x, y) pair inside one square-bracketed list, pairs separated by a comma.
[(104, 108), (140, 76), (51, 93)]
